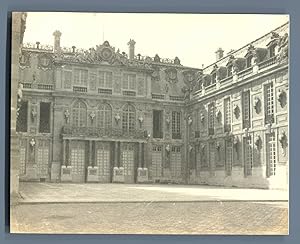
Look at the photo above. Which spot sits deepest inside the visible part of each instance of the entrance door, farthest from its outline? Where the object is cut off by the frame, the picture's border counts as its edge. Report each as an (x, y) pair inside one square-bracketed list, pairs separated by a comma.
[(228, 157), (157, 161), (128, 162), (176, 162), (271, 155), (212, 158), (43, 158), (248, 157), (78, 161), (103, 161)]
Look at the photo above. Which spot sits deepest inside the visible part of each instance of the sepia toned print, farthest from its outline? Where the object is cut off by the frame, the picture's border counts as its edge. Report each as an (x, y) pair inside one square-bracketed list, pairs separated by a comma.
[(111, 142)]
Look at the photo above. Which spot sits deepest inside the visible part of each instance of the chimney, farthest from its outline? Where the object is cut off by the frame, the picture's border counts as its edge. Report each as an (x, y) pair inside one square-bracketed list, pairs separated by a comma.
[(131, 44), (57, 35), (219, 54)]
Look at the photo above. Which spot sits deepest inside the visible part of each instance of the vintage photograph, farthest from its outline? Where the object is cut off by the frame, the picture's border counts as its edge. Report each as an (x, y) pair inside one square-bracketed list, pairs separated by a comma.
[(149, 123)]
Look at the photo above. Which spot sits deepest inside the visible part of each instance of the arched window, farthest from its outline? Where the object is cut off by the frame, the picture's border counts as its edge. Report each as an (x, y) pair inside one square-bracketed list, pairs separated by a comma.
[(104, 116), (128, 118), (79, 114)]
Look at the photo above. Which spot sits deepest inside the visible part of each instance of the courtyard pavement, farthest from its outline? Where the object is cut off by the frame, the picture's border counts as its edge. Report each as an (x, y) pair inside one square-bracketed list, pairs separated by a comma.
[(148, 209), (107, 193)]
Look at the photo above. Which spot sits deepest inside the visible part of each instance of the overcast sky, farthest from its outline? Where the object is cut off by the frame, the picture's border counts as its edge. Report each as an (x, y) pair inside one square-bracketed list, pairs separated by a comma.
[(194, 38)]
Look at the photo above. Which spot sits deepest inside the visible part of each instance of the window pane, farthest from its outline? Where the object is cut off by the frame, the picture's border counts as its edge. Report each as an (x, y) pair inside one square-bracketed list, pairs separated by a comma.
[(44, 118), (22, 119)]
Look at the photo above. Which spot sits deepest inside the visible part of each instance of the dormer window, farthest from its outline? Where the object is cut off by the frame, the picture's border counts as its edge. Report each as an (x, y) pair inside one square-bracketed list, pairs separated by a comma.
[(229, 70), (213, 78), (272, 50), (249, 61)]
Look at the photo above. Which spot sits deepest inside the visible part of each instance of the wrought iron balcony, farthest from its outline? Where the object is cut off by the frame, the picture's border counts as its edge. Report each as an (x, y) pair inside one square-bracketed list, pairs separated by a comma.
[(75, 131)]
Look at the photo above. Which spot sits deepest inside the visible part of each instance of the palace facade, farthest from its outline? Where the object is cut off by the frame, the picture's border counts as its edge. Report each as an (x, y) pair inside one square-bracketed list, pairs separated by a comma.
[(101, 115)]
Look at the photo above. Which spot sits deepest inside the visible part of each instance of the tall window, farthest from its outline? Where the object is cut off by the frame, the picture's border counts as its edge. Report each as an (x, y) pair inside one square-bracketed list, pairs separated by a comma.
[(44, 118), (227, 115), (79, 114), (105, 79), (246, 109), (22, 120), (211, 118), (67, 79), (269, 103), (271, 155), (157, 124), (80, 77), (249, 61), (104, 116), (248, 157), (128, 118), (129, 82), (176, 130)]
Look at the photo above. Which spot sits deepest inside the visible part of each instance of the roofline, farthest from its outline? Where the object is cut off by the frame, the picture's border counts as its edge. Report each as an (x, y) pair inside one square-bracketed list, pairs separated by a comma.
[(235, 51)]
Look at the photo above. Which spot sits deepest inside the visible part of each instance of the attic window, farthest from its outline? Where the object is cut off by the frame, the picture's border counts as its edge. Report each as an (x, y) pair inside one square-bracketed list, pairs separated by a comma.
[(249, 61), (272, 50), (229, 70), (214, 78)]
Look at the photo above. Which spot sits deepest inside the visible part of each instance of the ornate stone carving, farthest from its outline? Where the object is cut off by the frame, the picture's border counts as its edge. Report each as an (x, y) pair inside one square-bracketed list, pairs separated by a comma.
[(257, 105), (218, 115), (177, 61), (282, 98), (171, 75), (117, 118), (92, 116), (283, 142), (283, 48), (32, 143), (258, 142), (24, 60), (190, 120), (45, 61), (67, 115), (155, 75), (236, 111)]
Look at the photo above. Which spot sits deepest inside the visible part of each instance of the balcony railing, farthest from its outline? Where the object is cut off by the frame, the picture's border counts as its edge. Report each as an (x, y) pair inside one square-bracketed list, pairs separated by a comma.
[(267, 62), (105, 91), (129, 93), (45, 87), (176, 98), (75, 131), (158, 96), (79, 89)]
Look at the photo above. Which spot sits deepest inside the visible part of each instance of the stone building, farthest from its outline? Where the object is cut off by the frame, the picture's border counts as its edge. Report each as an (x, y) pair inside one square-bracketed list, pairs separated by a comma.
[(101, 115)]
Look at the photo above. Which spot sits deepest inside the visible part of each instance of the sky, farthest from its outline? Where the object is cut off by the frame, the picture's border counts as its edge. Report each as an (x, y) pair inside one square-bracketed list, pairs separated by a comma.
[(194, 38)]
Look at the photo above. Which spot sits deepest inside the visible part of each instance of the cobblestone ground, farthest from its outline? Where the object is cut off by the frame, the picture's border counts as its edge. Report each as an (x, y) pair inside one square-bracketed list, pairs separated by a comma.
[(153, 218)]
